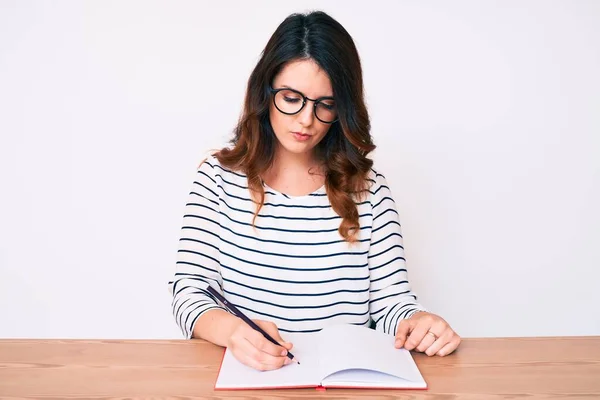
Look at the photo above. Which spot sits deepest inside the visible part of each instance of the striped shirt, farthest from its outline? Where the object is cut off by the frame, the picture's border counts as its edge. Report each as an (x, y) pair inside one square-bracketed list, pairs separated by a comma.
[(292, 267)]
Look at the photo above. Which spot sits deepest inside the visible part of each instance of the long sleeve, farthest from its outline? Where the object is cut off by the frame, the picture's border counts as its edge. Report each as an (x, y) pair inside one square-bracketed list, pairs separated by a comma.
[(198, 255), (391, 297)]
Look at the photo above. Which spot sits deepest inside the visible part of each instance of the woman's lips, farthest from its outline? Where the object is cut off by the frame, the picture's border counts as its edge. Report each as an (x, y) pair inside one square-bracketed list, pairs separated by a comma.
[(301, 136)]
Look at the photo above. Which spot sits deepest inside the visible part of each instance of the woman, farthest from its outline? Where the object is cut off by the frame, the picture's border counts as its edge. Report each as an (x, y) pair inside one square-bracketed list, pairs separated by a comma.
[(291, 223)]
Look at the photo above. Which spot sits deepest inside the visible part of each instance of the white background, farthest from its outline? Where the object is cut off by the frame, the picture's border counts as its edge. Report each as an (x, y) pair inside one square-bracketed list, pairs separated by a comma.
[(486, 116)]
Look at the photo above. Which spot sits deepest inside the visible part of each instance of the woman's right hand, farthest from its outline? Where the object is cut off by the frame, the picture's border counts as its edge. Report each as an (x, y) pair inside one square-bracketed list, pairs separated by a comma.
[(251, 348)]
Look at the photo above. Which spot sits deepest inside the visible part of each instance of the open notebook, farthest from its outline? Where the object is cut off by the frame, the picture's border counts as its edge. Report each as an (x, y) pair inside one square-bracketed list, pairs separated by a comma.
[(347, 356)]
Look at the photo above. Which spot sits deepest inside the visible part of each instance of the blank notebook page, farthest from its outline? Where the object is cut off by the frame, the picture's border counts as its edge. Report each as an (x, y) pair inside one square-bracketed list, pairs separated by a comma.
[(365, 349), (234, 374)]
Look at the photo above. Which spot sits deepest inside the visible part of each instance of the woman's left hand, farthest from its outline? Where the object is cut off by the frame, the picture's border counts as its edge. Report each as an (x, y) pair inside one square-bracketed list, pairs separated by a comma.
[(427, 333)]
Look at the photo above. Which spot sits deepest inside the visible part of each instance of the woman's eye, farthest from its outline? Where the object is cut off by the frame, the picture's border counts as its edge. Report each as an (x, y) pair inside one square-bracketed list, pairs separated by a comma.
[(291, 100), (327, 106)]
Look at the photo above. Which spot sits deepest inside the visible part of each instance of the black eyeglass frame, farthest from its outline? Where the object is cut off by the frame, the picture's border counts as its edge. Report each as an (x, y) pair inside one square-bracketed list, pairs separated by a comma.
[(304, 100)]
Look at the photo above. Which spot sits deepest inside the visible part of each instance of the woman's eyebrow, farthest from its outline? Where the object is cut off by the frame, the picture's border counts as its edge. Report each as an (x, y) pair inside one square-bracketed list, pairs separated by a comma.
[(289, 87)]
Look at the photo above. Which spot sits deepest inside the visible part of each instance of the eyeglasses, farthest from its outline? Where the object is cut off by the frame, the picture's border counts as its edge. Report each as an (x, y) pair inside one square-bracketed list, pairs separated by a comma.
[(290, 101)]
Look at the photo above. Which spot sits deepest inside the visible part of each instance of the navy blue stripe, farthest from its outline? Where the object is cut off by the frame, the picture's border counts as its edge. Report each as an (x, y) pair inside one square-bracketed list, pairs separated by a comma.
[(206, 175), (377, 173), (228, 170), (296, 294), (297, 307), (231, 183), (384, 225), (319, 329), (345, 253), (392, 285), (387, 237), (387, 314), (388, 330), (386, 250), (196, 318), (178, 312), (382, 200), (199, 266), (204, 197), (242, 186), (293, 281), (303, 319), (200, 241), (302, 269), (384, 297), (198, 229), (299, 331), (208, 189), (203, 206), (192, 276), (386, 211), (387, 263), (378, 189), (391, 328), (196, 240), (284, 230), (269, 204), (198, 253), (202, 279), (182, 289), (404, 313), (190, 313), (387, 276), (378, 311), (187, 312), (289, 243), (397, 283), (290, 218)]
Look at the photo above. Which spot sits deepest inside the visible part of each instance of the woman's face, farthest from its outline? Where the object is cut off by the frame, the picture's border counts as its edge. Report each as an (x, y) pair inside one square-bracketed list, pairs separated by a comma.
[(298, 134)]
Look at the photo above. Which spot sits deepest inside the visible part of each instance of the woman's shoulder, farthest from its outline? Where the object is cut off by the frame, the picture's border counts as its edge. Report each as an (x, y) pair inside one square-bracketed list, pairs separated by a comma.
[(376, 180), (209, 161), (219, 174)]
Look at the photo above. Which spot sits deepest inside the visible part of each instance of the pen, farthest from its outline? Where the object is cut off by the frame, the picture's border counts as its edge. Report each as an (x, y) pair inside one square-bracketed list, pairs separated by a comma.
[(247, 320)]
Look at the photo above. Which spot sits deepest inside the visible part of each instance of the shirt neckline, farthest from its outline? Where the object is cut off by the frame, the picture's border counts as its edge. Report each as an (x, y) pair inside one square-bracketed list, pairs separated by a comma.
[(289, 196)]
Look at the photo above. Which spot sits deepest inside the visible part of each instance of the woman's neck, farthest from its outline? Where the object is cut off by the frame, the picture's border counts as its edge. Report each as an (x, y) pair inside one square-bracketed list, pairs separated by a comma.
[(293, 163), (294, 174)]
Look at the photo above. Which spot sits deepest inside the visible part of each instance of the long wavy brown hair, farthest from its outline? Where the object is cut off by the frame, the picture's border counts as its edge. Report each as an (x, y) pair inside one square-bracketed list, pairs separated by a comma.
[(344, 149)]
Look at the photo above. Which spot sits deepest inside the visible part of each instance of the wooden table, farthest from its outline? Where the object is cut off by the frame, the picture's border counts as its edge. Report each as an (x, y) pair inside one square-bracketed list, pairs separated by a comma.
[(540, 368)]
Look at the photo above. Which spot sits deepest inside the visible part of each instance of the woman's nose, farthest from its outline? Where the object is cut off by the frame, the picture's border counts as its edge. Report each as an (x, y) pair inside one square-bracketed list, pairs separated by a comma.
[(306, 115)]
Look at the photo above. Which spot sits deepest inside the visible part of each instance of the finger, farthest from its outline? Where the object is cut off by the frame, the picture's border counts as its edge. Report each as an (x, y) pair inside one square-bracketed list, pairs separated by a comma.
[(402, 332), (258, 359), (263, 344), (241, 351), (450, 347), (260, 366), (273, 331), (426, 342), (441, 341), (433, 335), (418, 333)]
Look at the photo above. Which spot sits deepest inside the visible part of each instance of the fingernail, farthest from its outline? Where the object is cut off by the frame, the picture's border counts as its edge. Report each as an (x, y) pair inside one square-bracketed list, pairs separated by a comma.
[(283, 352), (287, 361)]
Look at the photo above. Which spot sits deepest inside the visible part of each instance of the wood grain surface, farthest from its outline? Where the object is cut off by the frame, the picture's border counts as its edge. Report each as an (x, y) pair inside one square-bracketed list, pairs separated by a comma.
[(491, 368)]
